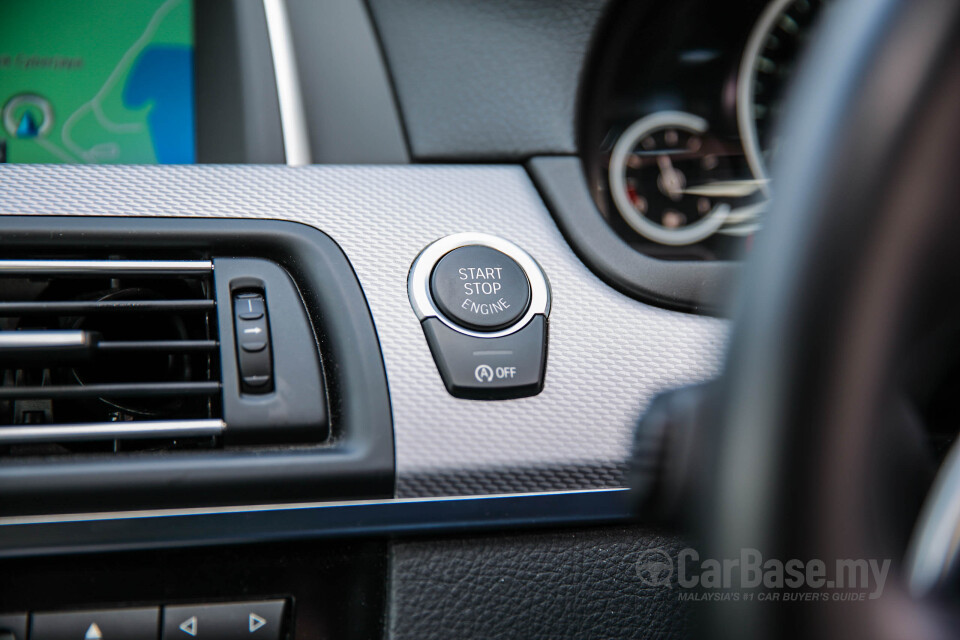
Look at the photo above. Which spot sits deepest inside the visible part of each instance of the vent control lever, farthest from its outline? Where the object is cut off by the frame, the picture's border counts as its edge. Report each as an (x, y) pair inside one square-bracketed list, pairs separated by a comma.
[(252, 330)]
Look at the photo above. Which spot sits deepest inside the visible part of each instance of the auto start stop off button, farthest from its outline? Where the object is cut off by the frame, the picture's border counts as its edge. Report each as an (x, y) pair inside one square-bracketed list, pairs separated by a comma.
[(480, 288)]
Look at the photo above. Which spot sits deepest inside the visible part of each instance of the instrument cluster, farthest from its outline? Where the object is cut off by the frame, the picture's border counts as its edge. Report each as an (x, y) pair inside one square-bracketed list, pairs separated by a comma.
[(680, 122)]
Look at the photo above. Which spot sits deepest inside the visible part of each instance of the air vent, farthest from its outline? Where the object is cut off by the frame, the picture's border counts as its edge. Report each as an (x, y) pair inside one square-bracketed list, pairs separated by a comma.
[(108, 355), (126, 347)]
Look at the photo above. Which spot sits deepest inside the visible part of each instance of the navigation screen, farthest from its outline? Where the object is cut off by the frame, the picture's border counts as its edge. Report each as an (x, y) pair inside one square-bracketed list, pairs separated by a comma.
[(99, 81)]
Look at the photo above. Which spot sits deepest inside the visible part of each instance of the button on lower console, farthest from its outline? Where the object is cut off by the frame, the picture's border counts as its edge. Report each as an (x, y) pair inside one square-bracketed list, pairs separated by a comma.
[(261, 620), (13, 626), (480, 288), (129, 624)]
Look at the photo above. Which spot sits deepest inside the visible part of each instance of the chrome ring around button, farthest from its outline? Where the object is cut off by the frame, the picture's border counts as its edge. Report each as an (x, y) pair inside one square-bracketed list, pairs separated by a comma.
[(421, 298)]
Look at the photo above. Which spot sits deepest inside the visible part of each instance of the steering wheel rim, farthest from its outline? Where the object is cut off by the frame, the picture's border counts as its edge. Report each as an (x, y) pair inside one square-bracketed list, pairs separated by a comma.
[(861, 217)]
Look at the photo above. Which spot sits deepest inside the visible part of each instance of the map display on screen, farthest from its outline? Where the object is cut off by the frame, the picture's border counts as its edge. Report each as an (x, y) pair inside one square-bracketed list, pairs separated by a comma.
[(98, 81)]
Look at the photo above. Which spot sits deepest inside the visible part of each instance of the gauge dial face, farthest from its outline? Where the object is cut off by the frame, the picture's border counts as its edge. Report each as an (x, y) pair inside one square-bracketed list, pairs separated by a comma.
[(773, 50), (671, 180)]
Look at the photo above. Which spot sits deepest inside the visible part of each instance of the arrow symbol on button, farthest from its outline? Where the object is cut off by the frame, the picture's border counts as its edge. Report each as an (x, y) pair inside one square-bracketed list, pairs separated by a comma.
[(189, 626), (253, 330), (256, 622), (93, 633)]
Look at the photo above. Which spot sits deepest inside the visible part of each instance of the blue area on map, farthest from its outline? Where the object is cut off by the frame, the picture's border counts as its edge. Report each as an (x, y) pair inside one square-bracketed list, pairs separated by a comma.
[(163, 75)]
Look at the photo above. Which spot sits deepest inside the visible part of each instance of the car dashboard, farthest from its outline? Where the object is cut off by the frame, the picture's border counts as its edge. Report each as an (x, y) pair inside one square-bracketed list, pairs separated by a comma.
[(304, 426)]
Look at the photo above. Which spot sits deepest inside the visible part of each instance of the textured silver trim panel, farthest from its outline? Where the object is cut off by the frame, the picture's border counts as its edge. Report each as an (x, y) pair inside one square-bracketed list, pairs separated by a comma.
[(418, 283), (609, 354), (86, 432)]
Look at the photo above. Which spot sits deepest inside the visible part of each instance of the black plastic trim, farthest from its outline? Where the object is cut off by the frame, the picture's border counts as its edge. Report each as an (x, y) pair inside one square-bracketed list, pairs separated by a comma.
[(235, 86), (699, 287), (358, 462), (351, 109), (473, 87)]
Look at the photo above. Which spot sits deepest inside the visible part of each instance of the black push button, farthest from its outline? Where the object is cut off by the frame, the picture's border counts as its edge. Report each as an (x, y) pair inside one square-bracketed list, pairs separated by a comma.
[(256, 381), (250, 306), (252, 332), (253, 346), (480, 288), (13, 626), (254, 358), (130, 624), (233, 621), (490, 368)]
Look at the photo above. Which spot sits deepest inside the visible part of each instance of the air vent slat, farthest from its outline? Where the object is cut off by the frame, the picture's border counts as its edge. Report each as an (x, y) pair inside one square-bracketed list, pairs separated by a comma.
[(133, 390), (170, 346), (64, 268), (25, 347), (8, 309)]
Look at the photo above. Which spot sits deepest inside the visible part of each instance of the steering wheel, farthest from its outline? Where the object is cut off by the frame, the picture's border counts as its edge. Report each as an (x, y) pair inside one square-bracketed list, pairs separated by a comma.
[(812, 448)]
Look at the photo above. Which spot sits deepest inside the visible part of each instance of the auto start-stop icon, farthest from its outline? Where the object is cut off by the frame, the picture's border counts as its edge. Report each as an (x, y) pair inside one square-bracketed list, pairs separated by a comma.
[(483, 373)]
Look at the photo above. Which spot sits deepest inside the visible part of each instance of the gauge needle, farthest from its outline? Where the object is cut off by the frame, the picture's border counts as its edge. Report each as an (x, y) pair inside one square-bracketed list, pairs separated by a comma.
[(672, 180), (743, 221), (726, 189)]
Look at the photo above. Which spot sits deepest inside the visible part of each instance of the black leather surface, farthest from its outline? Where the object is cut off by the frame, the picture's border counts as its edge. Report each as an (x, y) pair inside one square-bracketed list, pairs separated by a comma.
[(570, 584), (487, 79)]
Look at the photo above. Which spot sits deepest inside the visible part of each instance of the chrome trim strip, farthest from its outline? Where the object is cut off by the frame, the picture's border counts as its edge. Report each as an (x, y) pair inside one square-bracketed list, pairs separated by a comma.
[(37, 535), (54, 339), (418, 281), (293, 122), (106, 267), (935, 545), (33, 434)]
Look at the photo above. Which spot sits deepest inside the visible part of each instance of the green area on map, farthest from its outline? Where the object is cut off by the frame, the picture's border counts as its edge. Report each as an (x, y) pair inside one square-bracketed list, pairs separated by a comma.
[(64, 66)]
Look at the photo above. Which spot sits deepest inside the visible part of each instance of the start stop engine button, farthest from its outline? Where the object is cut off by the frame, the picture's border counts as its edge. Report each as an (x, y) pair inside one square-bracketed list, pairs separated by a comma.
[(480, 288)]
